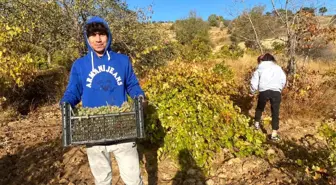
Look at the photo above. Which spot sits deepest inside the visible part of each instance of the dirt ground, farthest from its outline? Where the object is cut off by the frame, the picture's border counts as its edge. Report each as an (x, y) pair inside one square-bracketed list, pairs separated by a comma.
[(31, 153)]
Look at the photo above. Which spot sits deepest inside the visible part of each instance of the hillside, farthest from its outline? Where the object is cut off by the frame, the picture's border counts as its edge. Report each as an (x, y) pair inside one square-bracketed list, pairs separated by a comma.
[(219, 37), (202, 99), (325, 20), (31, 151)]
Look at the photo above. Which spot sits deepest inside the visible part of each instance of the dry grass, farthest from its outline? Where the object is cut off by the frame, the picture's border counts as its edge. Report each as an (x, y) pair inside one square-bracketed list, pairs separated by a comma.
[(309, 97), (314, 65), (324, 20), (242, 66), (219, 37), (10, 114)]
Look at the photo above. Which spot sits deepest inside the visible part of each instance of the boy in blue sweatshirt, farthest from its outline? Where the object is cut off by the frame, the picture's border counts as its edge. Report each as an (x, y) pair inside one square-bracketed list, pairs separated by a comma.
[(101, 78), (269, 79)]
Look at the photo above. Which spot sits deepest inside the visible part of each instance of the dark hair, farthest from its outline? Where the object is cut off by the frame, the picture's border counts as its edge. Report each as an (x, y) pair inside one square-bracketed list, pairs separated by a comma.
[(95, 27), (268, 57), (259, 58)]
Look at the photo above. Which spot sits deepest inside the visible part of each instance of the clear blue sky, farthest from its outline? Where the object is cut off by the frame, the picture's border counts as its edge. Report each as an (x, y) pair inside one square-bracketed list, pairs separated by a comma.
[(171, 10)]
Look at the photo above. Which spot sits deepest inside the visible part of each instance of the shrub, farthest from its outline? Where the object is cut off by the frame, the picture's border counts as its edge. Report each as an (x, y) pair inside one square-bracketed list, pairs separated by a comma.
[(16, 68), (216, 20), (189, 29), (232, 52), (196, 51), (309, 92), (193, 111), (65, 57), (47, 85), (251, 44), (278, 47), (143, 43), (328, 130)]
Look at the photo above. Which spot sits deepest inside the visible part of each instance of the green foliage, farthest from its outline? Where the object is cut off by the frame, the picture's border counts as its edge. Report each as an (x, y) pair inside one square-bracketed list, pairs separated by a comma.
[(252, 52), (55, 28), (282, 12), (215, 20), (65, 57), (232, 52), (328, 130), (16, 68), (278, 47), (193, 38), (323, 10), (48, 27), (35, 36), (224, 71), (308, 10), (197, 50), (190, 29), (212, 19), (193, 111)]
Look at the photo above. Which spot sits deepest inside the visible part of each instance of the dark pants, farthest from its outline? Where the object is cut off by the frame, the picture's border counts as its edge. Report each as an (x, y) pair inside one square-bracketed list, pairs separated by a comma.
[(275, 99)]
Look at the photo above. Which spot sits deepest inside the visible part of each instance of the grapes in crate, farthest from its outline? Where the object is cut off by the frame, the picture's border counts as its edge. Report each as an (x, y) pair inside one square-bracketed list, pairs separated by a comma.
[(85, 111)]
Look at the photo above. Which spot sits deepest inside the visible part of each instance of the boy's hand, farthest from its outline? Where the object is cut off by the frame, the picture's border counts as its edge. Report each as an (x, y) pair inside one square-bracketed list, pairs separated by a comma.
[(144, 103), (251, 95)]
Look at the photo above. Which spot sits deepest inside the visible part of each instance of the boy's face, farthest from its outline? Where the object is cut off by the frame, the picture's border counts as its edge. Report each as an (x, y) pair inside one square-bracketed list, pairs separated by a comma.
[(98, 42)]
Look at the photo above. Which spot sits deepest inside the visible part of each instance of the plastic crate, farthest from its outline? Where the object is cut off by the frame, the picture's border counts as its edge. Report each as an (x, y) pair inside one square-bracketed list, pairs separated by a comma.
[(103, 128)]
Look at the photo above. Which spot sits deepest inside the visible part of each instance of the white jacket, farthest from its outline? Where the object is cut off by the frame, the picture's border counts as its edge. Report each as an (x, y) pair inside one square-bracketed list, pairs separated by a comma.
[(268, 76)]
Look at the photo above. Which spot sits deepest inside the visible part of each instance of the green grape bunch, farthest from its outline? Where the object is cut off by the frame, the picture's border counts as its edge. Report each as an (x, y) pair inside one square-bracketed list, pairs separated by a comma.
[(85, 111)]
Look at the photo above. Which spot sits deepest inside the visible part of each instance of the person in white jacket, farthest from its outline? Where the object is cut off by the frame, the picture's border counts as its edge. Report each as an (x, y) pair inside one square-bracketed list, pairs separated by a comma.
[(269, 79)]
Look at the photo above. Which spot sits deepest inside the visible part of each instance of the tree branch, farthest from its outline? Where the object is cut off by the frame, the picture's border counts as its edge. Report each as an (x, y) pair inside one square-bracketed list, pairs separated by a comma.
[(255, 33)]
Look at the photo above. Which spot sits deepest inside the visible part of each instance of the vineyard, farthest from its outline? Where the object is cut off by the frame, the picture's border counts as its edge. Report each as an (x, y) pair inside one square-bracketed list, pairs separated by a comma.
[(195, 74)]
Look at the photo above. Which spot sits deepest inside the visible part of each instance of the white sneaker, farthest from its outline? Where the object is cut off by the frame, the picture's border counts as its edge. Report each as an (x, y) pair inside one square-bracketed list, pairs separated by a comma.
[(256, 125), (275, 137)]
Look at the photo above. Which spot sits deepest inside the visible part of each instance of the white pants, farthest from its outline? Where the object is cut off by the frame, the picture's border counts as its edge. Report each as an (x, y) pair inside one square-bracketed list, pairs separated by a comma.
[(127, 157)]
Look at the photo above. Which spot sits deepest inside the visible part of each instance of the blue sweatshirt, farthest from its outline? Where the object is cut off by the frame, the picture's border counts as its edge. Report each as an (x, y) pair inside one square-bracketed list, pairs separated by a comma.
[(99, 81)]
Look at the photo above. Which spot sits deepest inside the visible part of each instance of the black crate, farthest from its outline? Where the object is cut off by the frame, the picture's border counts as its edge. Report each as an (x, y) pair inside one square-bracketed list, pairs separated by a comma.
[(103, 128)]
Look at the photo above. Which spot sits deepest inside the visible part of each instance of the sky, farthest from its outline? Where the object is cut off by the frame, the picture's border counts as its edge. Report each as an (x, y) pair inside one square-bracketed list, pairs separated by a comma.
[(171, 10)]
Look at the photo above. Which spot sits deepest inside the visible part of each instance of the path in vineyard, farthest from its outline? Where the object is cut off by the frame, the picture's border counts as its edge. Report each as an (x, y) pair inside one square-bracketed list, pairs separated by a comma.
[(31, 153)]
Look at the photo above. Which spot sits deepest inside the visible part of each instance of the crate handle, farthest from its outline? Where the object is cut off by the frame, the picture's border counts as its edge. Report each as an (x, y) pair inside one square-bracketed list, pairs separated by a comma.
[(140, 116), (66, 112)]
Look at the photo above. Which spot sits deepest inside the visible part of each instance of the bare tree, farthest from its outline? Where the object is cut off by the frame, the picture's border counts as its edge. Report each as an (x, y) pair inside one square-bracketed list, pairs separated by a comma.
[(253, 25), (255, 33), (303, 31), (289, 22)]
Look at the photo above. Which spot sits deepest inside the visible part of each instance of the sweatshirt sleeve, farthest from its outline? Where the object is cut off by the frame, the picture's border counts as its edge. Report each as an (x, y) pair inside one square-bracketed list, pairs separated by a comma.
[(283, 79), (132, 85), (254, 82), (73, 92)]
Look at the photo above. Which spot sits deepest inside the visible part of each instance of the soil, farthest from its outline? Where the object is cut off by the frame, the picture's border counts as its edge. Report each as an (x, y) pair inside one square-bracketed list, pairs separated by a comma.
[(31, 153)]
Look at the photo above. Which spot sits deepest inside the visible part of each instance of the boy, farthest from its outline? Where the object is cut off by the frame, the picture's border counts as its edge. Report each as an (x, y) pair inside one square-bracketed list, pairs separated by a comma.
[(100, 78)]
